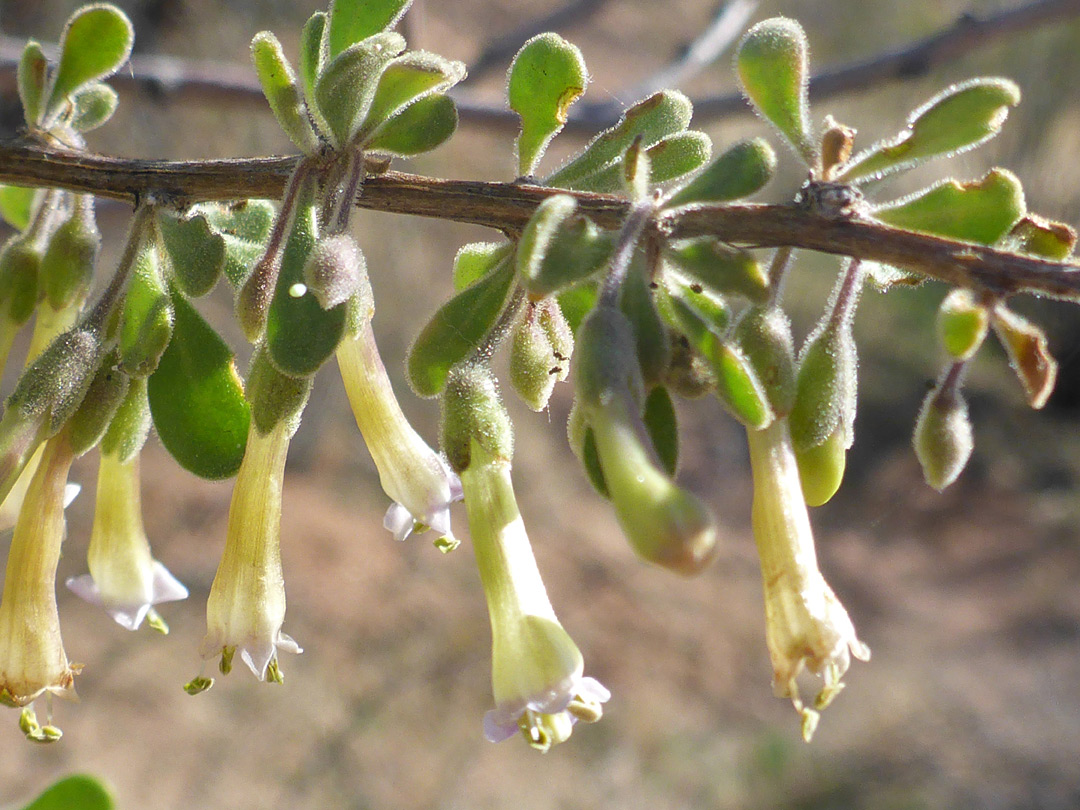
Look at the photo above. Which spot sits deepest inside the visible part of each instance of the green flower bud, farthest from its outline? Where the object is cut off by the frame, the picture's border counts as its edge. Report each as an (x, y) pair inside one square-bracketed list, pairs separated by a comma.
[(275, 398), (533, 365), (962, 323), (336, 270), (764, 336), (104, 396), (67, 267), (943, 437), (20, 268), (473, 415)]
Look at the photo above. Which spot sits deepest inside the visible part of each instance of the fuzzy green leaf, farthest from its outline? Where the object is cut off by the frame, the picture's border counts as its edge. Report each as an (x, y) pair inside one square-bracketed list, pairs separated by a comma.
[(313, 52), (352, 21), (32, 76), (663, 426), (670, 159), (717, 267), (457, 329), (196, 252), (559, 248), (979, 211), (345, 89), (650, 332), (93, 105), (96, 42), (300, 334), (659, 116), (16, 204), (408, 78), (739, 172), (1041, 237), (476, 259), (959, 118), (282, 91), (772, 61), (546, 77), (197, 398), (420, 127)]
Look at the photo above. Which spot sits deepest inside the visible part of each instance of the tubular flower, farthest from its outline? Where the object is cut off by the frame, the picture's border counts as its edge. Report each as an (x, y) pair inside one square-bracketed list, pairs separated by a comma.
[(806, 626), (124, 579), (536, 667), (412, 474), (246, 607), (32, 657)]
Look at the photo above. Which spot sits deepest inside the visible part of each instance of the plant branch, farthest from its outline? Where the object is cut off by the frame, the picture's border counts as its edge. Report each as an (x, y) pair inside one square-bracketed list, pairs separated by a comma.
[(508, 206), (172, 78)]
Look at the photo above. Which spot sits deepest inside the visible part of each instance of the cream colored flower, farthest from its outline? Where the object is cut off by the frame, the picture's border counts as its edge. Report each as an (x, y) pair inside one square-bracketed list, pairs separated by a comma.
[(806, 626), (246, 607)]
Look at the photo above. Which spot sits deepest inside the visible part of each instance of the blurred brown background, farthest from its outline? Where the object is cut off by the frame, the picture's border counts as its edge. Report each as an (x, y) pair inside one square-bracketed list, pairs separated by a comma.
[(969, 600)]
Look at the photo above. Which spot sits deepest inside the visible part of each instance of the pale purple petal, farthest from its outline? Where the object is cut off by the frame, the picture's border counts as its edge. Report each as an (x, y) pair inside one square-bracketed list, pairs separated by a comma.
[(498, 727), (167, 588), (128, 618), (85, 588), (398, 521), (590, 689)]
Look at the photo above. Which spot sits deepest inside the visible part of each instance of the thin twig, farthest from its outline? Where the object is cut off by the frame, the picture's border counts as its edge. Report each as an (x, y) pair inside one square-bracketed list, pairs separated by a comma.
[(171, 78), (508, 207)]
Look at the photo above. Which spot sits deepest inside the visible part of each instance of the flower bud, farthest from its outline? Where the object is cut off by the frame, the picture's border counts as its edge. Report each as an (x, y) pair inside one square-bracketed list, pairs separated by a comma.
[(20, 270), (67, 268), (943, 437), (533, 365), (336, 270), (473, 415)]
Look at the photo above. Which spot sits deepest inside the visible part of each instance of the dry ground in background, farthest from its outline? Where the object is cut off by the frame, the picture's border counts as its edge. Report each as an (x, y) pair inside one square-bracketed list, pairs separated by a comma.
[(968, 600)]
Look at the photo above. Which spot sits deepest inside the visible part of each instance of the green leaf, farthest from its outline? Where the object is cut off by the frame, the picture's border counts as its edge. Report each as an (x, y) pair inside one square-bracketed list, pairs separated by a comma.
[(457, 329), (476, 259), (700, 316), (1029, 354), (345, 89), (650, 333), (407, 79), (313, 52), (980, 211), (771, 61), (96, 42), (240, 256), (79, 792), (93, 105), (31, 77), (663, 426), (1041, 237), (197, 398), (282, 92), (419, 128), (659, 116), (250, 220), (196, 252), (957, 119), (670, 159), (577, 302), (547, 75), (16, 205), (300, 334), (352, 21), (719, 268), (146, 323), (559, 248), (742, 170)]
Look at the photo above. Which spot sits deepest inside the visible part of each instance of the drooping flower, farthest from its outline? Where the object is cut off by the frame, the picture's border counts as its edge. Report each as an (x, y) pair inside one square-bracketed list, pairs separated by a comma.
[(418, 480), (537, 670), (806, 625), (32, 657), (246, 607), (124, 579)]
